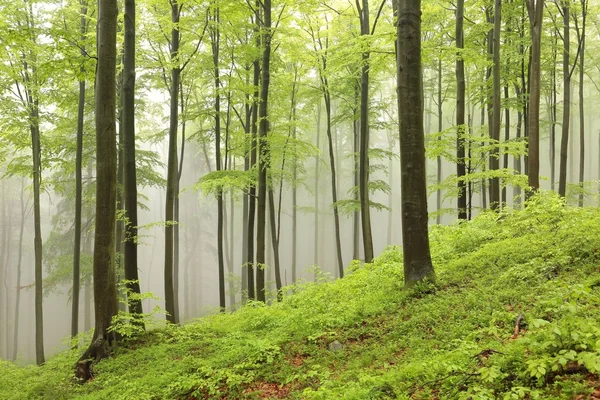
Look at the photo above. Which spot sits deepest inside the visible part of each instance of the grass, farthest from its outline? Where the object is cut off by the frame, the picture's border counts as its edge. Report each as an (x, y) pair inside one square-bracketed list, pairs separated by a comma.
[(452, 340)]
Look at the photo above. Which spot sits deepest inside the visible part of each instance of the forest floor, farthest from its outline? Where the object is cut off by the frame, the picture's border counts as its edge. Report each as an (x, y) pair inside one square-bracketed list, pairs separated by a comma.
[(514, 314)]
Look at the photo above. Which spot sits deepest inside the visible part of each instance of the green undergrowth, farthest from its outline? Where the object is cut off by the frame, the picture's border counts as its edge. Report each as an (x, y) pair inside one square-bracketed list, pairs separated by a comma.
[(367, 337)]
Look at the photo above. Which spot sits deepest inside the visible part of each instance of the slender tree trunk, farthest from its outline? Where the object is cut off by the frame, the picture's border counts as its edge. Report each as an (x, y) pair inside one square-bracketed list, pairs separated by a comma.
[(460, 111), (316, 240), (336, 216), (215, 37), (440, 107), (15, 347), (78, 186), (365, 207), (105, 296), (417, 259), (275, 241), (564, 142), (263, 150), (581, 40), (553, 115), (356, 231), (172, 165), (176, 230), (506, 140), (294, 186)]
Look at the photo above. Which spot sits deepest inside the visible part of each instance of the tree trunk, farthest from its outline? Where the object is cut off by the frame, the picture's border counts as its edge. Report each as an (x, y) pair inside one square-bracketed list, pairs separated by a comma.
[(214, 39), (105, 296), (581, 40), (460, 111), (495, 118), (535, 11), (440, 112), (365, 207), (15, 348), (130, 261), (417, 259), (564, 142), (172, 165), (263, 150), (78, 186)]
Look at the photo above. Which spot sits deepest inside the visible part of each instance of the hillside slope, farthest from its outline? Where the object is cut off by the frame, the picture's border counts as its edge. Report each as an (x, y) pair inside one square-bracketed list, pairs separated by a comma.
[(366, 337)]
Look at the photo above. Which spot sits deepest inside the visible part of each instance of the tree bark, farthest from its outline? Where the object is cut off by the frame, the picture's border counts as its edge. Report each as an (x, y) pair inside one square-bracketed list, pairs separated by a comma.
[(105, 296), (564, 141), (15, 348), (365, 204), (263, 150), (172, 165), (535, 10), (130, 260), (461, 170), (495, 117), (417, 259)]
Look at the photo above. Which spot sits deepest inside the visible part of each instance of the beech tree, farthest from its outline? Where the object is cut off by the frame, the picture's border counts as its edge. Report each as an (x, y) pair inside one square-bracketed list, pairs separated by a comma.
[(105, 293), (415, 234)]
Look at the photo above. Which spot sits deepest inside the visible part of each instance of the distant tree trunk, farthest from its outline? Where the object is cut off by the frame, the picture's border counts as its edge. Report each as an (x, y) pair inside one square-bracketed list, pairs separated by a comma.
[(564, 142), (172, 165), (553, 114), (495, 117), (263, 150), (295, 180), (536, 13), (316, 240), (19, 270), (506, 140), (440, 107), (356, 148), (130, 261), (365, 204), (105, 296), (78, 187), (336, 216), (581, 40), (34, 127), (417, 259), (460, 111)]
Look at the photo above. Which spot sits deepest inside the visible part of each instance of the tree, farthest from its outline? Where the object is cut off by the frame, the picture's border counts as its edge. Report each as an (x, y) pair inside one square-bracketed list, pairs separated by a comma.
[(105, 295), (415, 236), (460, 110), (566, 117), (535, 10), (130, 258), (263, 149)]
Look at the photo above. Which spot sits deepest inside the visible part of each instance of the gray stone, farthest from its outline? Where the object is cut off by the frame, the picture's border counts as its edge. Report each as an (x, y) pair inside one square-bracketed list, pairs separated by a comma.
[(335, 346)]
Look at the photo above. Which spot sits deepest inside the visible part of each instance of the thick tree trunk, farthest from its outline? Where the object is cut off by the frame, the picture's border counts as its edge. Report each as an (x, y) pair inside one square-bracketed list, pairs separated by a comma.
[(105, 296), (365, 204), (460, 111), (535, 10), (417, 259), (130, 261), (495, 117)]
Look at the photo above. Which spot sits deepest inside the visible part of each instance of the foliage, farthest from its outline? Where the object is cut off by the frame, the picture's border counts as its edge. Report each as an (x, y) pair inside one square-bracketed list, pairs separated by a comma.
[(455, 340)]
